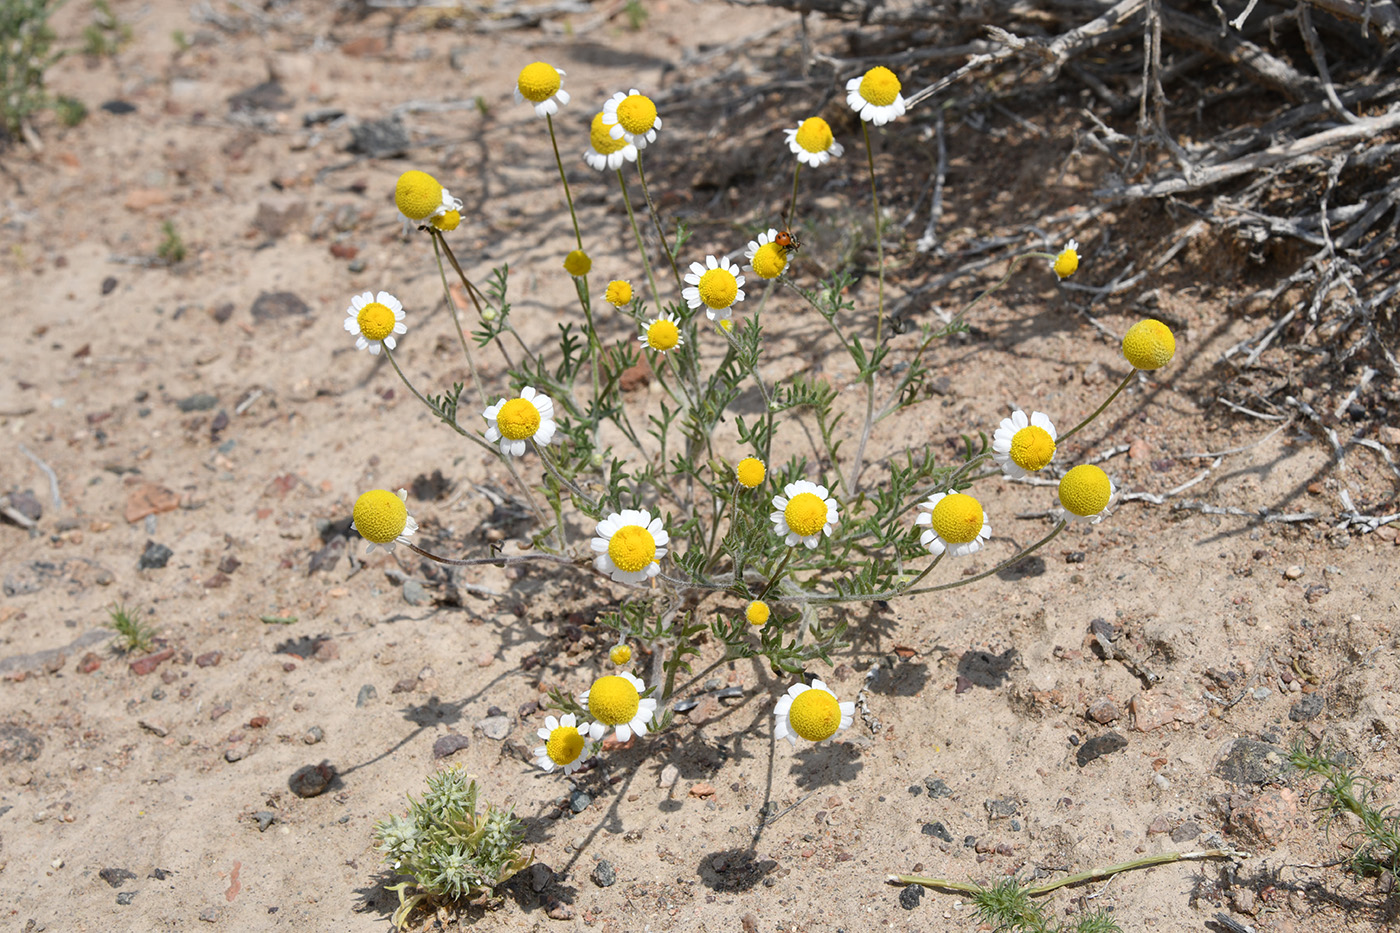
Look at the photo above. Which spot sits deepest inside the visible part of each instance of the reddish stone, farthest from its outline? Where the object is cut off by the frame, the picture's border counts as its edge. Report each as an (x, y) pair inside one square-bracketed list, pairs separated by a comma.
[(143, 666), (89, 663), (702, 790), (344, 251), (209, 659), (258, 722)]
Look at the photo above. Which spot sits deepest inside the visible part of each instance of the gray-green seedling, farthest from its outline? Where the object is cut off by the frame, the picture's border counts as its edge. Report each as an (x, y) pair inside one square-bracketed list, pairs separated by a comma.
[(1375, 842), (453, 853), (133, 634)]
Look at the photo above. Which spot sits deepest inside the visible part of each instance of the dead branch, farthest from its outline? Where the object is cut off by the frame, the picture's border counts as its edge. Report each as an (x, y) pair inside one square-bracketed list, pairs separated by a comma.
[(1252, 61)]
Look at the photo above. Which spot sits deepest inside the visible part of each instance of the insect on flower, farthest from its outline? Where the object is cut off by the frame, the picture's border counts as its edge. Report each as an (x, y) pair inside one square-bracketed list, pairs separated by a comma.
[(787, 241)]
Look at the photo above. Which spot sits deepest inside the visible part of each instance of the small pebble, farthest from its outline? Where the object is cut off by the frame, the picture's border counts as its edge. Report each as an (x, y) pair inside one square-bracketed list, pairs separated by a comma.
[(313, 735), (910, 896), (264, 818), (449, 744), (312, 780), (367, 693), (125, 897), (603, 874), (1293, 573), (579, 801)]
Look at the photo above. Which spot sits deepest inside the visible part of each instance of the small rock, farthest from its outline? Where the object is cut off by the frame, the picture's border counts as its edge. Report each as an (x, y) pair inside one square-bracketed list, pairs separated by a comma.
[(1139, 449), (209, 659), (405, 685), (1246, 761), (154, 728), (1100, 745), (276, 218), (367, 693), (937, 787), (749, 922), (415, 594), (143, 666), (938, 830), (579, 801), (1186, 831), (702, 790), (670, 776), (603, 875), (270, 306), (154, 557), (89, 663), (1293, 572), (269, 95), (313, 735), (264, 818), (326, 650), (380, 139), (116, 877), (25, 504), (209, 915), (1103, 711), (1000, 809), (235, 753), (1243, 900), (203, 401), (910, 896), (1266, 819), (1307, 708), (258, 722), (312, 780), (1262, 693), (1158, 826), (540, 875), (126, 897), (494, 727), (558, 910), (229, 564), (449, 745)]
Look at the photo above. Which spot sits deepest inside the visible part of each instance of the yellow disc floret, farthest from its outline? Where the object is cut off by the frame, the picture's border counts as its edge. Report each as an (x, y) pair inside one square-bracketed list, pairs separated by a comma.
[(750, 472), (376, 321), (879, 86), (1085, 490), (815, 715), (538, 82), (599, 135), (518, 419), (448, 220), (663, 335), (636, 113), (632, 548), (805, 514), (620, 654), (1031, 448), (957, 518), (380, 516), (814, 134), (577, 263), (418, 195), (1149, 344), (619, 293), (757, 613), (1066, 262), (613, 701), (718, 288), (564, 745), (769, 261)]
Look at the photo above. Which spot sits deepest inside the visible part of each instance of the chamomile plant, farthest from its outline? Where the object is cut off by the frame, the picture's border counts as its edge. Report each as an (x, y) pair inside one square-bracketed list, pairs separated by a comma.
[(726, 504)]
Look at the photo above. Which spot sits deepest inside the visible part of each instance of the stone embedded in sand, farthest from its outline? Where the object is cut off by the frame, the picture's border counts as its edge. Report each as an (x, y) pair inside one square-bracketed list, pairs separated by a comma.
[(312, 780), (1246, 761), (1266, 819), (1100, 745)]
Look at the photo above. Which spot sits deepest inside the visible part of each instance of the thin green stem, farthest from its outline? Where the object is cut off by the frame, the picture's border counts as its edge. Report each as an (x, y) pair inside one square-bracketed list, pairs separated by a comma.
[(879, 237), (578, 237), (1093, 874), (656, 219), (1097, 411), (457, 321), (777, 574), (564, 480), (641, 246), (475, 295), (792, 208)]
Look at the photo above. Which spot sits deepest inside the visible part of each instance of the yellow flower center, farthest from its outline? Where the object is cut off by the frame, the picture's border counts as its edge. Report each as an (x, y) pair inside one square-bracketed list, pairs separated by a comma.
[(1031, 448), (417, 195), (805, 514), (603, 143), (376, 321), (619, 293), (636, 113), (1149, 344), (757, 612), (815, 715), (577, 263), (538, 82), (750, 472), (1066, 263), (879, 86), (769, 261), (726, 325), (564, 745), (814, 134), (663, 335), (518, 419), (957, 518), (380, 516), (1085, 490), (613, 700), (718, 288), (620, 655), (632, 548), (447, 221)]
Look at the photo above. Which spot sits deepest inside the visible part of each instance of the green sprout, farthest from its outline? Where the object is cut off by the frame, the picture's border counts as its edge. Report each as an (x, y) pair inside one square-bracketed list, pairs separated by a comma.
[(1375, 843), (135, 635), (171, 248)]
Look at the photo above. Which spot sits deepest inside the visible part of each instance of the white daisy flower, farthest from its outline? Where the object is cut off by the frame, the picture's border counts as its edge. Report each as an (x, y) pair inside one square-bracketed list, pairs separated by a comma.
[(875, 96), (565, 744), (1023, 445), (615, 701), (541, 84), (605, 153), (716, 285), (629, 544), (374, 319), (662, 334), (632, 116), (515, 421), (1086, 493), (1066, 261), (812, 713), (804, 514), (382, 519), (811, 141), (955, 524), (765, 257)]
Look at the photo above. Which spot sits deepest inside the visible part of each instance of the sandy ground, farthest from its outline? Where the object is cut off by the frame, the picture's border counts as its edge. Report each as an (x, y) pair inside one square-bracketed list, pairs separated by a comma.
[(172, 409)]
